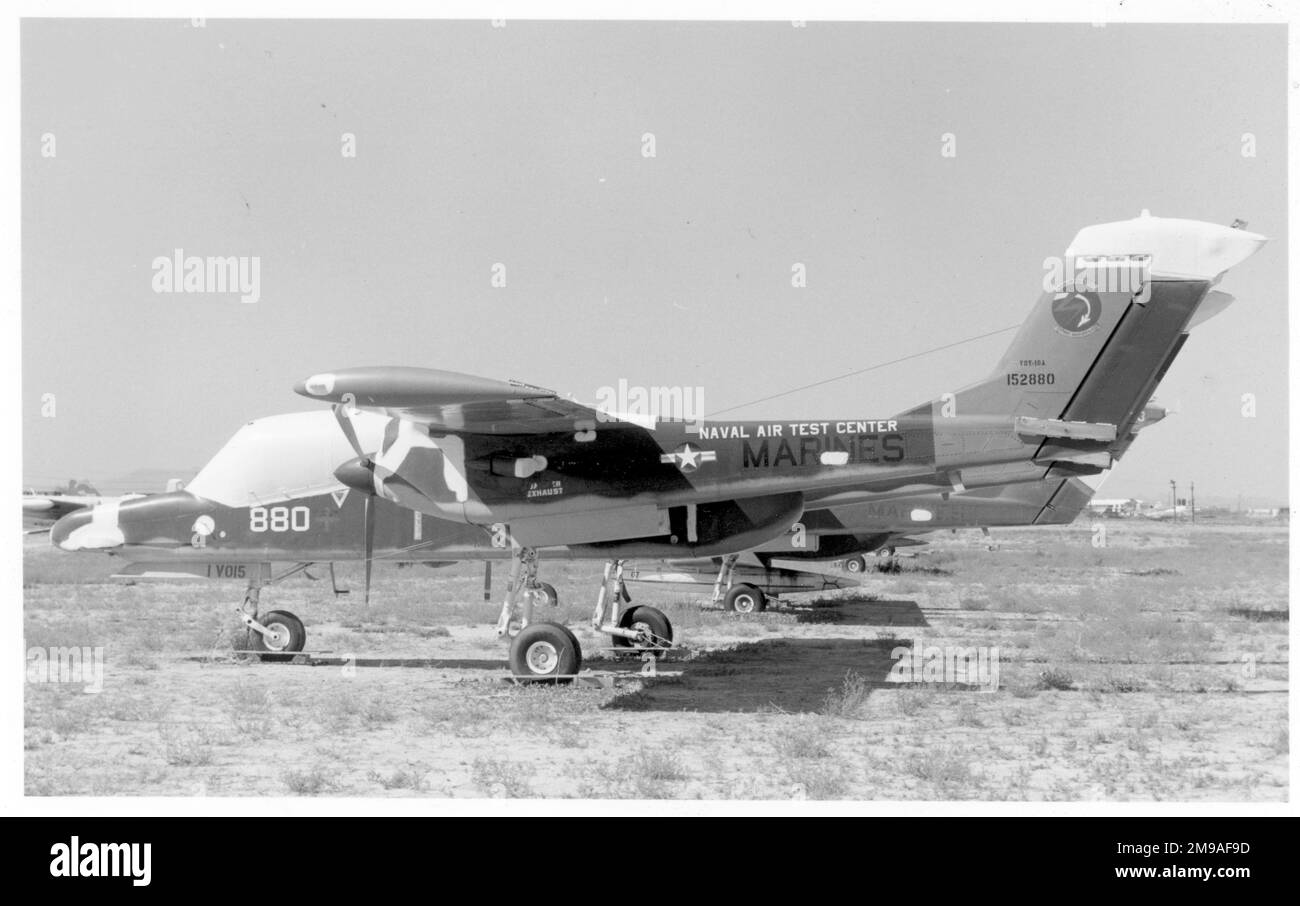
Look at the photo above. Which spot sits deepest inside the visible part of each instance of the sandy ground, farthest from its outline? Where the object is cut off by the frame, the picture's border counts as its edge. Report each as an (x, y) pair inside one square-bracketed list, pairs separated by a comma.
[(1155, 667)]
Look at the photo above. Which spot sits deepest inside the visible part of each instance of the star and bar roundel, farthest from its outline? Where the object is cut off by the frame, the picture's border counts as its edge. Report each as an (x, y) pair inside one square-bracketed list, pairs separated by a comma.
[(688, 457)]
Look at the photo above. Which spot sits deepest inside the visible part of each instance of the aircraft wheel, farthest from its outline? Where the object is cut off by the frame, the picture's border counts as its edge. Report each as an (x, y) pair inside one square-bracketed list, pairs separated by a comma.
[(647, 620), (746, 599), (550, 597), (545, 651), (855, 564), (288, 633)]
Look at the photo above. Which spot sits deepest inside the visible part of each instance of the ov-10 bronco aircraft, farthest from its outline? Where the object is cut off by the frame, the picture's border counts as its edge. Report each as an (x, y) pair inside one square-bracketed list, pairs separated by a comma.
[(433, 466)]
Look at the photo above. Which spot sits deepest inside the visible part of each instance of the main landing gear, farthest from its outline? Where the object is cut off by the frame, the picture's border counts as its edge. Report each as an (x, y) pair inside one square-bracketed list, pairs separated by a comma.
[(545, 651), (276, 630), (549, 651), (541, 650), (742, 598), (639, 630)]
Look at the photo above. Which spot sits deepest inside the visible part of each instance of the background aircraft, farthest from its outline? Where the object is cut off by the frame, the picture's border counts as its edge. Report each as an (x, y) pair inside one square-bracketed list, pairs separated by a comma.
[(850, 533), (42, 509)]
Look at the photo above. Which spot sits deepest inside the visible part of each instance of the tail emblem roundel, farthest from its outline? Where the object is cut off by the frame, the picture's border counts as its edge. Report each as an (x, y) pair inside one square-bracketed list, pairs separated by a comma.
[(1077, 314)]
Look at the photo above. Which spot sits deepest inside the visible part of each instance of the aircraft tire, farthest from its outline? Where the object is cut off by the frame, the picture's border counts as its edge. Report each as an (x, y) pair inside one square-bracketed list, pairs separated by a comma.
[(550, 597), (545, 652), (856, 564), (651, 619), (287, 626), (745, 598)]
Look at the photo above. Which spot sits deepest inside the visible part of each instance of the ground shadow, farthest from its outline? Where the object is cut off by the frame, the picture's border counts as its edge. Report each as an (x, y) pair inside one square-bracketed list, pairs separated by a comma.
[(315, 660), (602, 664), (793, 675), (857, 612), (1260, 614)]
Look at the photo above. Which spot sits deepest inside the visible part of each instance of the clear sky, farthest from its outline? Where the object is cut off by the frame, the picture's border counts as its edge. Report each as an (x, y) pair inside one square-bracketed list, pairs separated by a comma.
[(523, 146)]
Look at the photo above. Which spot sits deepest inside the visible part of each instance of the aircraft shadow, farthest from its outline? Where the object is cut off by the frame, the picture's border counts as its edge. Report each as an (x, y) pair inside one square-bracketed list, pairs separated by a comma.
[(858, 612), (306, 659), (792, 675), (628, 665)]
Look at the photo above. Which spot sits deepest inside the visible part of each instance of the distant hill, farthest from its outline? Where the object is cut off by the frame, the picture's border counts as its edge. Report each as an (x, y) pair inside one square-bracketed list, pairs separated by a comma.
[(140, 481)]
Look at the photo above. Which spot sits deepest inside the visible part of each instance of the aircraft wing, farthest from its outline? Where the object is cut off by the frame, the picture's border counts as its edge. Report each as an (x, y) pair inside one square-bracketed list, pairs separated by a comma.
[(456, 403), (40, 511), (52, 506)]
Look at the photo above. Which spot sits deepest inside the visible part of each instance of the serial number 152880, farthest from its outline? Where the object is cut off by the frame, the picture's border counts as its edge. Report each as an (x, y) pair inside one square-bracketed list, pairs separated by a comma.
[(1030, 378)]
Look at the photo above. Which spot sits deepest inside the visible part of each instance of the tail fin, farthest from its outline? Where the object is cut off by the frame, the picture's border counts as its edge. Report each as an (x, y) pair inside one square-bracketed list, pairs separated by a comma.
[(1083, 366)]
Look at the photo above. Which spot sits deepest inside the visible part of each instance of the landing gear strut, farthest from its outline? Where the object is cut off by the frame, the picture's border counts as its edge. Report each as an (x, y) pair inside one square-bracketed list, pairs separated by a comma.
[(538, 651), (743, 598), (277, 630), (522, 581), (723, 583)]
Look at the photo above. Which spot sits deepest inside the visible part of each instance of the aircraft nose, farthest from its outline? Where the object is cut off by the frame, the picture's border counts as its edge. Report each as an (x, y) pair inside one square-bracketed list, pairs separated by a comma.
[(159, 520), (85, 529), (66, 525)]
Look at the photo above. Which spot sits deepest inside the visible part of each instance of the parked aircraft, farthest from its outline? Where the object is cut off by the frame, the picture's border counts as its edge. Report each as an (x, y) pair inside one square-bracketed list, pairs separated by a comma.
[(425, 464), (42, 509)]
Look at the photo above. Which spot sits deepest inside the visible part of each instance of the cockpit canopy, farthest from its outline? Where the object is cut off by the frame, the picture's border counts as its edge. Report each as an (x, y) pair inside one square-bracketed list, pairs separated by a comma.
[(284, 457)]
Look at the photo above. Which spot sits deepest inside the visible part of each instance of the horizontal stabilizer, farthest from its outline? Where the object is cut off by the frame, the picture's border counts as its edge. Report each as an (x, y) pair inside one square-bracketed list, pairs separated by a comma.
[(1055, 427), (1178, 249), (1099, 459)]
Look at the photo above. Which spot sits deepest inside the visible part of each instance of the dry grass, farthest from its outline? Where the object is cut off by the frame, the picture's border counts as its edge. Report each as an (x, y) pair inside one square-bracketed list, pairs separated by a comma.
[(1166, 651)]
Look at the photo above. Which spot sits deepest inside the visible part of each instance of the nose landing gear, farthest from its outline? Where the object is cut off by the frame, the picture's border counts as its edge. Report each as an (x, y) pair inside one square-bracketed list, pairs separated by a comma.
[(285, 632), (277, 630)]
